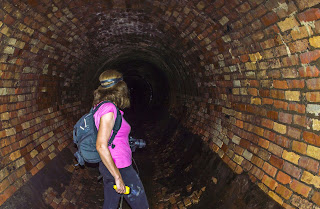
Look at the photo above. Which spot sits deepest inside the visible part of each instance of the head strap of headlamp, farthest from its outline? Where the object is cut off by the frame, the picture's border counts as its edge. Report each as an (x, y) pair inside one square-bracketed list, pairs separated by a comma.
[(112, 82)]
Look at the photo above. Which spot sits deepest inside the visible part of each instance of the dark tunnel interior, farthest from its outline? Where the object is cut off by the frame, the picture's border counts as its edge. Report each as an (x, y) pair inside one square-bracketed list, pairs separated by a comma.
[(226, 94)]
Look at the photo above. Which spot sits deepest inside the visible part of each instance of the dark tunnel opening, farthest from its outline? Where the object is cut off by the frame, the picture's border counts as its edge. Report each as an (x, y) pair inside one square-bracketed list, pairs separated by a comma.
[(147, 84)]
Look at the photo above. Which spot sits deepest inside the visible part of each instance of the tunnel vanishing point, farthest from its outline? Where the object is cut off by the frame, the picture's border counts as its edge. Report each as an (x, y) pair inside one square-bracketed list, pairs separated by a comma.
[(243, 75)]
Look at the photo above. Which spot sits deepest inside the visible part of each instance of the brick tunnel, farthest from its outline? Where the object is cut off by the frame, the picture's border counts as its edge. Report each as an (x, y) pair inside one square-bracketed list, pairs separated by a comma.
[(226, 94)]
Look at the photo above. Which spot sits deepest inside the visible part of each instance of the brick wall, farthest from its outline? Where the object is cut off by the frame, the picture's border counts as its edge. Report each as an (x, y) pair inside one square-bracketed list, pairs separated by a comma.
[(247, 72), (38, 103), (259, 102)]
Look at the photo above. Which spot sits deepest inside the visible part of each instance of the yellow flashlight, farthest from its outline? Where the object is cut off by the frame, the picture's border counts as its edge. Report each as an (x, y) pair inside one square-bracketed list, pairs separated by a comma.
[(127, 189)]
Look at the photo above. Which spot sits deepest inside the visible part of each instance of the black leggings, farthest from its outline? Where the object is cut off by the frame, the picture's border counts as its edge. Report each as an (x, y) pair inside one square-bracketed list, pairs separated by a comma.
[(137, 198)]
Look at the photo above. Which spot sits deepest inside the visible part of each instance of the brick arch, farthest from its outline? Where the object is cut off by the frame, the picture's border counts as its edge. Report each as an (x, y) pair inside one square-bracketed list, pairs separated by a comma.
[(246, 71)]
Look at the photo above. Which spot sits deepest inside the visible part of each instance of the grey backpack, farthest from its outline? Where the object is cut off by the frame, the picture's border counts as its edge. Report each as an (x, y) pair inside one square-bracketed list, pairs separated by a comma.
[(85, 136)]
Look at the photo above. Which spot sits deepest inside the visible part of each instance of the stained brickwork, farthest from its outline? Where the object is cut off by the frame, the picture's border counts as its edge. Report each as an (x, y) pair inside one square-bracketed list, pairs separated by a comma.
[(263, 114), (247, 72)]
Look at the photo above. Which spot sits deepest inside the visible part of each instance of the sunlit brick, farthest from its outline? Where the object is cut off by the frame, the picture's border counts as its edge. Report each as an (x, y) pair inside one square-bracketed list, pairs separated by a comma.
[(288, 24), (313, 152)]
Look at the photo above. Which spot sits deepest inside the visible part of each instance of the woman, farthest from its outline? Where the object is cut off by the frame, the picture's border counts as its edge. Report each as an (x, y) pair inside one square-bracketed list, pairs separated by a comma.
[(116, 165)]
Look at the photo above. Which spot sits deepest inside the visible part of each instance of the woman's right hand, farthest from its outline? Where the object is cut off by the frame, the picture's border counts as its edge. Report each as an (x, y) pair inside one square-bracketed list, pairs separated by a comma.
[(121, 188)]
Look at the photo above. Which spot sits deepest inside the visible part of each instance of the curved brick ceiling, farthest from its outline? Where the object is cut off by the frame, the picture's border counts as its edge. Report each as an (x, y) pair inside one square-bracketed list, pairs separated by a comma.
[(112, 33), (246, 71)]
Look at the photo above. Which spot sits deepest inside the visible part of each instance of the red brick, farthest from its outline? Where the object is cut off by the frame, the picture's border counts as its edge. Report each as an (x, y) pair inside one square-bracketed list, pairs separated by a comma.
[(271, 4), (287, 206), (257, 161), (284, 12), (8, 20), (250, 108), (280, 104), (239, 150), (300, 108), (264, 154), (313, 96), (311, 138), (268, 44), (263, 143), (267, 123), (244, 58), (239, 123), (241, 107), (275, 149), (292, 170), (4, 184), (276, 161), (275, 74), (255, 3), (254, 83), (299, 46), (269, 169), (289, 73), (224, 148), (309, 15), (284, 192), (253, 91), (269, 18), (301, 120), (309, 164), (285, 117), (267, 101), (247, 165), (243, 8), (280, 84), (300, 188), (244, 143), (272, 115), (283, 178), (296, 84), (309, 71), (259, 11), (257, 172), (316, 198), (257, 130), (264, 93), (290, 61), (313, 84), (281, 51), (302, 4), (8, 192), (308, 57), (269, 182), (282, 141), (218, 4), (252, 178), (299, 147), (271, 136), (238, 169), (232, 164)]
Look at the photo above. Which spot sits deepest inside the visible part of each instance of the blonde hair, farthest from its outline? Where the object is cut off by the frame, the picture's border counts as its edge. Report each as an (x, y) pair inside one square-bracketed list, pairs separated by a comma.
[(113, 89)]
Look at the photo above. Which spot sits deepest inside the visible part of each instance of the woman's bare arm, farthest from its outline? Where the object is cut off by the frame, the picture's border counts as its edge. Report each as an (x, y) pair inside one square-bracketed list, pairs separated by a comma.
[(105, 128)]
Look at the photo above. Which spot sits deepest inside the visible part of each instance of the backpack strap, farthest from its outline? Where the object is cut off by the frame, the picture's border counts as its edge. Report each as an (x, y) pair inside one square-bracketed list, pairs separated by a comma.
[(116, 128), (117, 123)]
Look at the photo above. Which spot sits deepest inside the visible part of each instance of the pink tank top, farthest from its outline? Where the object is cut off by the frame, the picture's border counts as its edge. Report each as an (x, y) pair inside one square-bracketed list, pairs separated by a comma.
[(121, 153)]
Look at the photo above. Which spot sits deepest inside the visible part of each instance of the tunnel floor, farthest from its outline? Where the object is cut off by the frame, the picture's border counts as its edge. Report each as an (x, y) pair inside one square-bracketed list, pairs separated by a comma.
[(179, 174), (177, 169)]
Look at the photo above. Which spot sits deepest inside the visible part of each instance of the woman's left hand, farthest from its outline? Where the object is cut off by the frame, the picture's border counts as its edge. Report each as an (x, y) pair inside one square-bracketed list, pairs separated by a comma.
[(121, 188)]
